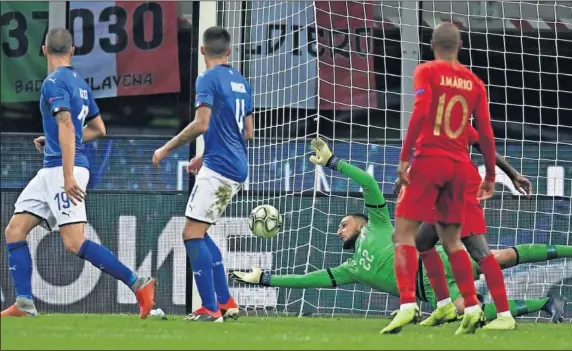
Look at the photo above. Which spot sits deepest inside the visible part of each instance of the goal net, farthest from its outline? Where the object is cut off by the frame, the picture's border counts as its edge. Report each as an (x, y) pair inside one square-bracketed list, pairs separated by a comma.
[(343, 70)]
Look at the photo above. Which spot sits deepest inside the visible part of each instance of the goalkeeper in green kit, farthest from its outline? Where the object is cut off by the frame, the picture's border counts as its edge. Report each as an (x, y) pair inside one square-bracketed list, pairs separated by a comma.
[(373, 261)]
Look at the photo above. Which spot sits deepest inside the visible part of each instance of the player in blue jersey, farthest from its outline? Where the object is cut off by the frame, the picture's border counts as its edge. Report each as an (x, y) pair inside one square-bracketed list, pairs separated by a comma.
[(55, 196), (224, 118)]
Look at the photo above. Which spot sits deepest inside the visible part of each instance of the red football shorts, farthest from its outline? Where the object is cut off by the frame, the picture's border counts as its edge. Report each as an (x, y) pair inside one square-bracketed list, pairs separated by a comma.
[(474, 215), (474, 219), (436, 191)]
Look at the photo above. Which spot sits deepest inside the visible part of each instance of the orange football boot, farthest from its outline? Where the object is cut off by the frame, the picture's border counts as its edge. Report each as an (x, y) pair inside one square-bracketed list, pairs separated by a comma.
[(22, 308), (204, 315), (13, 311), (230, 309), (146, 298), (26, 309)]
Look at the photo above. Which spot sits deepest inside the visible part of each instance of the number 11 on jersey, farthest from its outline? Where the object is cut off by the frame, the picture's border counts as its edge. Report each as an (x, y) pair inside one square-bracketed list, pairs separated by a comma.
[(240, 114)]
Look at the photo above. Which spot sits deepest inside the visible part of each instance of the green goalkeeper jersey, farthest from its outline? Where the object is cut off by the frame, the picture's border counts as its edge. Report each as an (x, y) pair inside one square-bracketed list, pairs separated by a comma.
[(372, 263)]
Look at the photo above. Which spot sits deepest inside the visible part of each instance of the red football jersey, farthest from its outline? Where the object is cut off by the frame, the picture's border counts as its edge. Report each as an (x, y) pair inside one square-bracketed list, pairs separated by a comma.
[(472, 135), (446, 95)]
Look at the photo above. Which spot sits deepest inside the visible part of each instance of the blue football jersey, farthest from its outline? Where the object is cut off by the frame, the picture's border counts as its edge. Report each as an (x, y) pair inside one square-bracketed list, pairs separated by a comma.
[(65, 90), (229, 96)]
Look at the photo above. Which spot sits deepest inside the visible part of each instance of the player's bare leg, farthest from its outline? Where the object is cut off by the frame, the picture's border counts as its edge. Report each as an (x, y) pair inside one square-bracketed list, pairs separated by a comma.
[(405, 272), (450, 235), (506, 258), (103, 259), (425, 242), (20, 264), (202, 263), (478, 248)]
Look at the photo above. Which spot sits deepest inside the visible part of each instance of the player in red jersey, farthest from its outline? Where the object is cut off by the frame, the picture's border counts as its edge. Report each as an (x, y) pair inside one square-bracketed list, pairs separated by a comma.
[(446, 94), (472, 236)]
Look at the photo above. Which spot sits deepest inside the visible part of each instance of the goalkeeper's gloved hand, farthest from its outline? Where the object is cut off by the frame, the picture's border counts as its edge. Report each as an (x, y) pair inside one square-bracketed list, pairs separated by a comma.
[(256, 276), (323, 156)]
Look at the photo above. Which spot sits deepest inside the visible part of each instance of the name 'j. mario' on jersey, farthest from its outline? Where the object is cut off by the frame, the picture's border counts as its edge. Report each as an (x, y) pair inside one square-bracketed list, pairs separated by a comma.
[(229, 95), (65, 90)]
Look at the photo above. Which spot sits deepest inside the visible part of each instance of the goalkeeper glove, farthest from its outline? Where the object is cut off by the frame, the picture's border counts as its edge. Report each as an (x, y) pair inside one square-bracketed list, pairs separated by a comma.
[(256, 276), (323, 156)]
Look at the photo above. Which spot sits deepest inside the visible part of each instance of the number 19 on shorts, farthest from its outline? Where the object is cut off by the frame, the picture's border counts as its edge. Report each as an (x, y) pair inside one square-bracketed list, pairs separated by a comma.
[(62, 200)]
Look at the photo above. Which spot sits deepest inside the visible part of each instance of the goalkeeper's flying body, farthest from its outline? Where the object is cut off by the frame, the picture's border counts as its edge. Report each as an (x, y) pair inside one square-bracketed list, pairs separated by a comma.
[(373, 261)]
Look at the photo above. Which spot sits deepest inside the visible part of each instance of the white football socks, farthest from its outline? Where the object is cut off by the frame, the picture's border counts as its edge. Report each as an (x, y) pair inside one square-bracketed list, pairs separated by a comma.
[(443, 302)]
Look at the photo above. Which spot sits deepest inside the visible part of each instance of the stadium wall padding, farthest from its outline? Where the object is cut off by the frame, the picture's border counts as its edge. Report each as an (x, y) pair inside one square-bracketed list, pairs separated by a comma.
[(144, 230)]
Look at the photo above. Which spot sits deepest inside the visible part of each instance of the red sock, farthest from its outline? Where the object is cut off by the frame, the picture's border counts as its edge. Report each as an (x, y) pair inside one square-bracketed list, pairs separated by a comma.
[(495, 281), (463, 273), (436, 273), (406, 272)]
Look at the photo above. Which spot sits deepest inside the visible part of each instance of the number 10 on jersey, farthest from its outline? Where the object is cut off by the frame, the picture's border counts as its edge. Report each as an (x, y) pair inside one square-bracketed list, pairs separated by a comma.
[(239, 114), (444, 109)]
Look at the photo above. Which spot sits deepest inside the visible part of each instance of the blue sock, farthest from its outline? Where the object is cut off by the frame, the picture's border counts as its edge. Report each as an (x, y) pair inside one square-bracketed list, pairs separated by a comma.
[(202, 263), (20, 266), (103, 259), (219, 274)]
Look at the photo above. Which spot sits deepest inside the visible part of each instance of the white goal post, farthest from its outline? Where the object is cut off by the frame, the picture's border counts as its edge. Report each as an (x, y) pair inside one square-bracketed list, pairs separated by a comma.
[(343, 70)]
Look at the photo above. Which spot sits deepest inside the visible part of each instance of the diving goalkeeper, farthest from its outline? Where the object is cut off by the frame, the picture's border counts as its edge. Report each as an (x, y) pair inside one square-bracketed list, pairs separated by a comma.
[(373, 261)]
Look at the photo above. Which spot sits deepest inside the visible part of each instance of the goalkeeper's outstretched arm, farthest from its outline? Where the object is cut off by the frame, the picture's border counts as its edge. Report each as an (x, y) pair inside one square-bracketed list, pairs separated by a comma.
[(325, 278), (372, 194)]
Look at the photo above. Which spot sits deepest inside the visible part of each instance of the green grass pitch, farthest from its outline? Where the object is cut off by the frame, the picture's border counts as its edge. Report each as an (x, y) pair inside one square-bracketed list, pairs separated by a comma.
[(119, 332)]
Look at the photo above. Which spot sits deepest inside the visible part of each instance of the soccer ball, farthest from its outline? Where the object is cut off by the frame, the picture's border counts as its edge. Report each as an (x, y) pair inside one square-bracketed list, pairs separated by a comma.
[(265, 221)]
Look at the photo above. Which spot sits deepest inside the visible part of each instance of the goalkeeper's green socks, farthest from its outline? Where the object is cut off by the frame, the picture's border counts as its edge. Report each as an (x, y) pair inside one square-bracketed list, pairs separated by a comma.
[(517, 308), (529, 253)]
